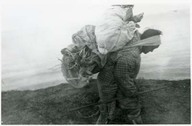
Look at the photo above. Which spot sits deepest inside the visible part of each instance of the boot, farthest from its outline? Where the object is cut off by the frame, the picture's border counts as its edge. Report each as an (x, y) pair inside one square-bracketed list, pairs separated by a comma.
[(103, 115), (137, 120), (106, 113)]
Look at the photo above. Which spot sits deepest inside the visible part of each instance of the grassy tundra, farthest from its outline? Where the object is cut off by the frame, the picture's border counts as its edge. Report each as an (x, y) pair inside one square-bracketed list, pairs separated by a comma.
[(50, 105)]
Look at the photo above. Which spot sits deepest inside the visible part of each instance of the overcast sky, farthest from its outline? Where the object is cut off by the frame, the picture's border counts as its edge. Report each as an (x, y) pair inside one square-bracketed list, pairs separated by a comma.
[(34, 31), (41, 25)]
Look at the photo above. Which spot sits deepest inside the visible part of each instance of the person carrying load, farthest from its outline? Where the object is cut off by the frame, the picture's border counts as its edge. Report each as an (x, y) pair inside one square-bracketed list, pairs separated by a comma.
[(117, 77), (113, 50), (121, 43)]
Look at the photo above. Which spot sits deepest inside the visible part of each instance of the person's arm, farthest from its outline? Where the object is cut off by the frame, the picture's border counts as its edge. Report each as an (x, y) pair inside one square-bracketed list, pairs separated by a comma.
[(129, 14), (137, 18), (124, 74)]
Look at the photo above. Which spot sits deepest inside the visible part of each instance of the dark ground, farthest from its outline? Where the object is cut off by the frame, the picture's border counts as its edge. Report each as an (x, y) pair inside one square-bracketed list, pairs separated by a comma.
[(50, 106)]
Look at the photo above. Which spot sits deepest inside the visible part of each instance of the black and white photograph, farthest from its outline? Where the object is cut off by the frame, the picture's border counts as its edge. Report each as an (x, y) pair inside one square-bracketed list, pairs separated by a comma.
[(95, 62)]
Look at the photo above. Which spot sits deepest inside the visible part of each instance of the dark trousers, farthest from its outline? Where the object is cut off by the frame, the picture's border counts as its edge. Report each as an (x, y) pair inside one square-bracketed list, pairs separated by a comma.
[(117, 80)]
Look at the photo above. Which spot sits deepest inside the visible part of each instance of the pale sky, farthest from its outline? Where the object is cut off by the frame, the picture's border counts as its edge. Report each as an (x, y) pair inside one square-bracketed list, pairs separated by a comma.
[(53, 22)]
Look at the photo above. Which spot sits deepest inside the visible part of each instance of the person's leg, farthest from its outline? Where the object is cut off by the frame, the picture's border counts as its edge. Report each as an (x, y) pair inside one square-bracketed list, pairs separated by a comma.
[(131, 107), (107, 91), (125, 71)]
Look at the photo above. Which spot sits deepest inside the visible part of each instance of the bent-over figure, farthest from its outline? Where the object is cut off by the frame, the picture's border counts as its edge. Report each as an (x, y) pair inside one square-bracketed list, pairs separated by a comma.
[(117, 79)]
